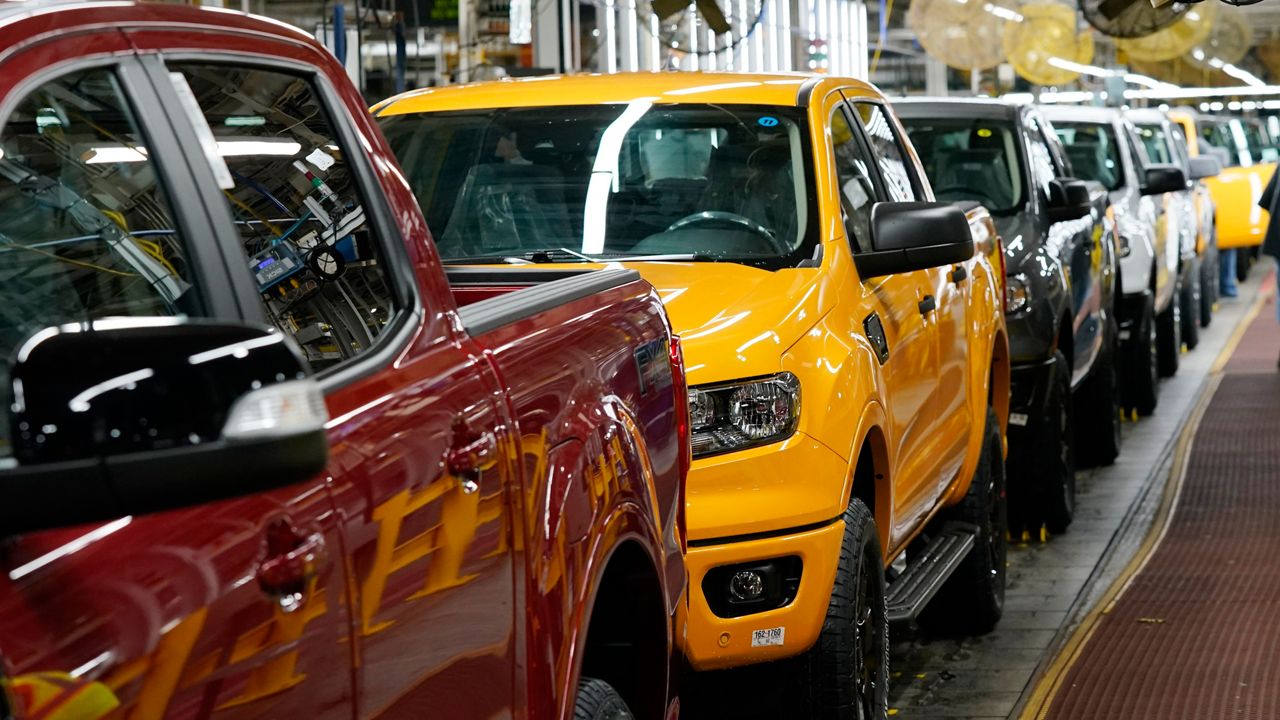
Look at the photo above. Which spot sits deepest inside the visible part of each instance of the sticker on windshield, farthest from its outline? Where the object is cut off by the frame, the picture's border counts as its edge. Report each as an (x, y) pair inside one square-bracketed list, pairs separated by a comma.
[(767, 121)]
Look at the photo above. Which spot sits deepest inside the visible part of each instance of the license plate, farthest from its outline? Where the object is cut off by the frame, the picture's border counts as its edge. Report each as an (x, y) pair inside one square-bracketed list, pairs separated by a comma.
[(765, 638)]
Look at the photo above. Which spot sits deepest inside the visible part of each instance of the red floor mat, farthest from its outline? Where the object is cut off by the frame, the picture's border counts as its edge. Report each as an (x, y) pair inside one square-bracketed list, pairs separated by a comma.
[(1197, 634)]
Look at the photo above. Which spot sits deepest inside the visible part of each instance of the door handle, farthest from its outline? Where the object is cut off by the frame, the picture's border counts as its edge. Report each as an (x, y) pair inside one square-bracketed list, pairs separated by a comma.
[(928, 305), (959, 274), (471, 454), (293, 560)]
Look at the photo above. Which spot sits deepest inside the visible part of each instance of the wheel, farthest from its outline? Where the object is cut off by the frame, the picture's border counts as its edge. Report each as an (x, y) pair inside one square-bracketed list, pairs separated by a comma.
[(845, 676), (597, 700), (972, 600), (1140, 370), (1208, 290), (1097, 406), (1169, 335), (1057, 474), (1190, 299)]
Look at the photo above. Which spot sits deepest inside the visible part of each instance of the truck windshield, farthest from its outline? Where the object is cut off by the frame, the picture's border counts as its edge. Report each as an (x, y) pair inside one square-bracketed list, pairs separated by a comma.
[(607, 182), (1094, 152), (970, 159), (1155, 144), (1226, 134), (1259, 144)]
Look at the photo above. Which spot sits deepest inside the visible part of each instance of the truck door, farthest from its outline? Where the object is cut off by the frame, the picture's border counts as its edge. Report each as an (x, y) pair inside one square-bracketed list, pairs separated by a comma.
[(949, 285), (904, 306), (1077, 242), (421, 456), (171, 614)]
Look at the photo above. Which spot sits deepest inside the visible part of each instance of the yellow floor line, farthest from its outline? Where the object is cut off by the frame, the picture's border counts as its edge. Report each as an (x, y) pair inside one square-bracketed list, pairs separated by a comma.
[(1050, 682)]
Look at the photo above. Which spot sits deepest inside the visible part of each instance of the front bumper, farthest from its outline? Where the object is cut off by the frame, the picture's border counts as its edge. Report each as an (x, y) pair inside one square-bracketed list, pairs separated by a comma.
[(712, 642), (1029, 391), (777, 501)]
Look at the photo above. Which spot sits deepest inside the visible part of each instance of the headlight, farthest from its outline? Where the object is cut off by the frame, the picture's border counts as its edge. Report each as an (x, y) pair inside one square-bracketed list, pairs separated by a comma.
[(1125, 248), (735, 416), (1017, 293)]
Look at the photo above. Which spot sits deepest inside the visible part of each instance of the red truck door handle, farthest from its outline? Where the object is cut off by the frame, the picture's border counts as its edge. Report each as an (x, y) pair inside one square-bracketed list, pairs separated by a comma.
[(293, 560), (467, 459)]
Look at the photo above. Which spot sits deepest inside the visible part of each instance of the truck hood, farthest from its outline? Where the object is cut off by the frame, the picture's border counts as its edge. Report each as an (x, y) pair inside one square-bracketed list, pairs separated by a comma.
[(736, 321)]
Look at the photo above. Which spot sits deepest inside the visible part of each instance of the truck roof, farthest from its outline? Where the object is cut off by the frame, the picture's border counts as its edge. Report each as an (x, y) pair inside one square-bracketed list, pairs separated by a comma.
[(1098, 115), (989, 108), (68, 14), (791, 89), (1146, 115)]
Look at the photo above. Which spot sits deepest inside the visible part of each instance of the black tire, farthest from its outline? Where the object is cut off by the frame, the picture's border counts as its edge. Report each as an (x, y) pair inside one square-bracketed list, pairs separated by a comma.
[(1057, 474), (1140, 371), (597, 700), (1190, 298), (1208, 293), (1169, 335), (845, 676), (972, 600), (1097, 406)]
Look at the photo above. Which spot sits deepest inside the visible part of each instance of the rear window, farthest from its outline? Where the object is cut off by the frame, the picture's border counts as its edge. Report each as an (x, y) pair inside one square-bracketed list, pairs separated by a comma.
[(969, 159), (1094, 152)]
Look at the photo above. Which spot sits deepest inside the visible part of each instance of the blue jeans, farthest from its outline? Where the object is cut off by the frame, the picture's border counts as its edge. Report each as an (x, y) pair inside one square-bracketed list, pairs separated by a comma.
[(1227, 273)]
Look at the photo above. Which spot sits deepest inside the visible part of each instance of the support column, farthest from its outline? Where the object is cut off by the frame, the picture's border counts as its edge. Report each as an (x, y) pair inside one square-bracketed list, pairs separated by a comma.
[(935, 77)]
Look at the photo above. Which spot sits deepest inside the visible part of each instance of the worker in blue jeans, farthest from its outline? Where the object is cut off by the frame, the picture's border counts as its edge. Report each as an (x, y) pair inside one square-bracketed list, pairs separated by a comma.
[(1227, 273)]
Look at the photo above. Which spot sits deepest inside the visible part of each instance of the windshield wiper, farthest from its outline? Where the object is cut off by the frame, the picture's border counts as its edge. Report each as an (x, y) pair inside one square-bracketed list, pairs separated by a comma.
[(671, 257)]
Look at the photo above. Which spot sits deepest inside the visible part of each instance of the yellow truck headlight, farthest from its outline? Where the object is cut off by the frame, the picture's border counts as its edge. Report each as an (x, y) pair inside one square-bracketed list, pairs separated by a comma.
[(739, 415)]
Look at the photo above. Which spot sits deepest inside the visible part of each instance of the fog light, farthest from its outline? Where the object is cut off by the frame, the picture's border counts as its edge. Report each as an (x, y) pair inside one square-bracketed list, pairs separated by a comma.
[(746, 585), (752, 587)]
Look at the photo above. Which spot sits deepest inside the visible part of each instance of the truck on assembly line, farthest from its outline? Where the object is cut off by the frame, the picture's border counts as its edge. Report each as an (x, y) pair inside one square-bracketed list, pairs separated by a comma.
[(844, 335), (1152, 227), (263, 456), (1062, 290)]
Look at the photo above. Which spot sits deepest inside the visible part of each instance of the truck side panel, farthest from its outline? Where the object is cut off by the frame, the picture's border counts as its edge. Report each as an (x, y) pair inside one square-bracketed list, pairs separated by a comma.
[(590, 388)]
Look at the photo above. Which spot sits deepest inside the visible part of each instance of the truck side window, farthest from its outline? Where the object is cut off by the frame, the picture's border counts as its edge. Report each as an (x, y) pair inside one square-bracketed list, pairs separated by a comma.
[(857, 191), (88, 231), (296, 203), (899, 182)]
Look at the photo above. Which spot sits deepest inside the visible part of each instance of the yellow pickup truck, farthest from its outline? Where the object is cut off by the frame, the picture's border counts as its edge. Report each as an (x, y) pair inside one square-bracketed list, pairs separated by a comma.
[(1247, 163), (843, 333)]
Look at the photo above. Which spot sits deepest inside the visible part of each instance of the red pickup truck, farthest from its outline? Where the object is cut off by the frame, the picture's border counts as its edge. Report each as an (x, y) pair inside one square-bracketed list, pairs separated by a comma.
[(263, 454)]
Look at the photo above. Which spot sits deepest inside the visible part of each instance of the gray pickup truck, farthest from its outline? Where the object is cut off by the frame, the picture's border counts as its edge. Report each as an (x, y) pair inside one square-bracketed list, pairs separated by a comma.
[(1062, 290)]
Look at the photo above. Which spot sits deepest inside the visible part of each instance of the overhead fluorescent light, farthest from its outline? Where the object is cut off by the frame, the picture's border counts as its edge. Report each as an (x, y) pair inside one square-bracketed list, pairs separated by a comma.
[(265, 146), (244, 121), (1003, 13), (110, 154), (1201, 92)]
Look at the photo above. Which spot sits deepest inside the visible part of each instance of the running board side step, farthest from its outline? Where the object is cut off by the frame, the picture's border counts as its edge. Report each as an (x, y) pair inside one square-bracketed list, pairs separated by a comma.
[(913, 590)]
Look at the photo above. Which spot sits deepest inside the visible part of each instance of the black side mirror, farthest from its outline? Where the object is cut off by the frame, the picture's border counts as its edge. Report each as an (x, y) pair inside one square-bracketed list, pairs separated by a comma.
[(1204, 166), (907, 236), (169, 413), (1068, 199), (1163, 178)]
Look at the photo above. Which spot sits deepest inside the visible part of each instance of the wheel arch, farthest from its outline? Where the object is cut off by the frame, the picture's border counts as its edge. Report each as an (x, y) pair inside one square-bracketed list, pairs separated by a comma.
[(626, 632), (870, 471)]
